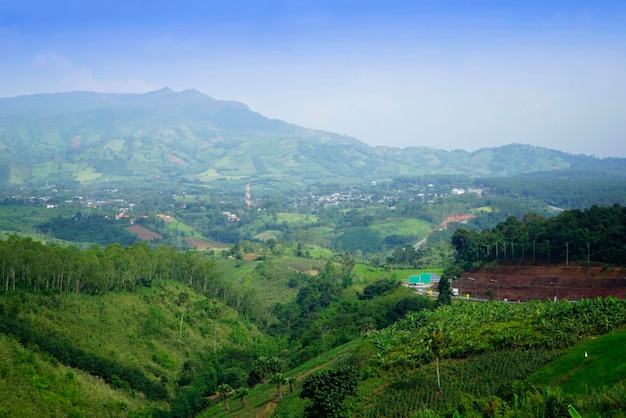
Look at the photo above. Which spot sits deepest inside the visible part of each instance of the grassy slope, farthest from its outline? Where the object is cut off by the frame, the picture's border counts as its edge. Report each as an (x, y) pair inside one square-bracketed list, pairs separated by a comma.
[(32, 384), (593, 365), (140, 330), (370, 238), (272, 290)]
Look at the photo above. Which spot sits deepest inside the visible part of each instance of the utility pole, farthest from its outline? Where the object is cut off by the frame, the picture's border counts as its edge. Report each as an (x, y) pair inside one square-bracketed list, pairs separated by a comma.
[(556, 288), (498, 283)]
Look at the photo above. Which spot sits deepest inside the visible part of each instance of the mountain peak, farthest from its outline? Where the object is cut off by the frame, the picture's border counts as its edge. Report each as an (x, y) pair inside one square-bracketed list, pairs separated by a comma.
[(164, 90)]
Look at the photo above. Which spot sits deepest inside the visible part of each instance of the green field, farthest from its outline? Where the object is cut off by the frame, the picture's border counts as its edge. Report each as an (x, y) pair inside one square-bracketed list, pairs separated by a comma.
[(417, 227), (269, 234), (371, 238), (367, 273)]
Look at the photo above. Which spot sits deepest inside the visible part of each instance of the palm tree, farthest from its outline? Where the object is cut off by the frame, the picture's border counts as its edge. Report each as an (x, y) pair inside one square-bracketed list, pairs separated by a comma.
[(433, 345)]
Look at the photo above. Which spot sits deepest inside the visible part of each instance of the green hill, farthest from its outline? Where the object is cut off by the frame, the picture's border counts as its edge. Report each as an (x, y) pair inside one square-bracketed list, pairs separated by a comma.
[(124, 353), (84, 138)]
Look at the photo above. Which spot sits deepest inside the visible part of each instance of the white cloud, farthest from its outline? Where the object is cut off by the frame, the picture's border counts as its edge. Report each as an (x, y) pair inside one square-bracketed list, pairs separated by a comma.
[(66, 76)]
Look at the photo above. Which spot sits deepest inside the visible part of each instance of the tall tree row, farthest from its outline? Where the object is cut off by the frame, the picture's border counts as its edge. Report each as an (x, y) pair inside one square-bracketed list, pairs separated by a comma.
[(29, 265), (597, 234)]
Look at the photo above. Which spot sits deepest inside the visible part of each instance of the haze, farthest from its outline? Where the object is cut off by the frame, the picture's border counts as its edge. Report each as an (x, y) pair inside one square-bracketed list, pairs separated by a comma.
[(442, 74)]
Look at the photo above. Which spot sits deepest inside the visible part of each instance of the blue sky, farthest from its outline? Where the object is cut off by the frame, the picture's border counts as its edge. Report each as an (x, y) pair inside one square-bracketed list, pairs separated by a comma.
[(443, 74)]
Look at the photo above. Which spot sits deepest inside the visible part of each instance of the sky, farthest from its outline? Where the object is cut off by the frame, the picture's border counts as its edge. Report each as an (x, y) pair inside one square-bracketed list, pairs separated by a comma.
[(437, 73)]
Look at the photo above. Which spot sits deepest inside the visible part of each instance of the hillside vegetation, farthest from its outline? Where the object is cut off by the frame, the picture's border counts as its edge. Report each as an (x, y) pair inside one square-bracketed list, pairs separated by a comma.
[(249, 337), (80, 138), (144, 353)]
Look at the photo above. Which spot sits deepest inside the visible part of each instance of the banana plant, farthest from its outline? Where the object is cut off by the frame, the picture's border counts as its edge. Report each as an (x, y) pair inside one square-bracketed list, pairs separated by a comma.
[(573, 412)]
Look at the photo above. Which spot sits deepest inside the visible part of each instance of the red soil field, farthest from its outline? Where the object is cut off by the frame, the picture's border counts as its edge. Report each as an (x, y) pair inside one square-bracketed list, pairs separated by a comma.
[(143, 233), (523, 283), (203, 244)]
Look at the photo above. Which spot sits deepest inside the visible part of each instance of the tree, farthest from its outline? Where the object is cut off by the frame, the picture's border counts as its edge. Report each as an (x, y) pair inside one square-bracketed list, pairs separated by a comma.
[(279, 379), (328, 389), (272, 245), (368, 324), (434, 342), (215, 313), (375, 262), (265, 366), (445, 294), (241, 393), (225, 390), (290, 381)]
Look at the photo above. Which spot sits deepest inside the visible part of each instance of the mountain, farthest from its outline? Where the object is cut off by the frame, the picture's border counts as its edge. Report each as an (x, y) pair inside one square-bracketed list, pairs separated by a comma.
[(85, 137)]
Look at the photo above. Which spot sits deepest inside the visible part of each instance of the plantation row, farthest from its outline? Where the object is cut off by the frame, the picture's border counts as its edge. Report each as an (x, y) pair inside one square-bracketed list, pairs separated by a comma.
[(477, 381), (487, 350), (463, 329)]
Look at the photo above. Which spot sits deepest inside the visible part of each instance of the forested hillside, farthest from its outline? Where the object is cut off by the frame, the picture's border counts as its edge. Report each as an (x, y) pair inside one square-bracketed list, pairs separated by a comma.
[(596, 234), (81, 138)]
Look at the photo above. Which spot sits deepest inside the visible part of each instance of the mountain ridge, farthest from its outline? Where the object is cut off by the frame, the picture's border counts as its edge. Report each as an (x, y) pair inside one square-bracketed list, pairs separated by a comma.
[(190, 136)]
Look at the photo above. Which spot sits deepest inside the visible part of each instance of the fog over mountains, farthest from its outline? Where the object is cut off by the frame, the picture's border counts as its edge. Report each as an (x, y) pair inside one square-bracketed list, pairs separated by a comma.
[(87, 137)]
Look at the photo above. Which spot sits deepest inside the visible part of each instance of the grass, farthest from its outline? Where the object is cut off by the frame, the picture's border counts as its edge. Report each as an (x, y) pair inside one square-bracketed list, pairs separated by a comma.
[(368, 274), (235, 270), (370, 239), (482, 209), (207, 175), (45, 239), (321, 253), (303, 265), (25, 218), (87, 174), (266, 292), (175, 226), (269, 234), (296, 218), (593, 365), (35, 385)]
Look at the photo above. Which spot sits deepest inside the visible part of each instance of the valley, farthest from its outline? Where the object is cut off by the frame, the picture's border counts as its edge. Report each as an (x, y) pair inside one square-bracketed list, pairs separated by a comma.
[(172, 255)]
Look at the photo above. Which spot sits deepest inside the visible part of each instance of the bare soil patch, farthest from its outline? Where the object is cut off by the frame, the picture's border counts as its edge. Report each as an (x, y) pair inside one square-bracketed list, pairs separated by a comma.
[(200, 244), (143, 233), (517, 282)]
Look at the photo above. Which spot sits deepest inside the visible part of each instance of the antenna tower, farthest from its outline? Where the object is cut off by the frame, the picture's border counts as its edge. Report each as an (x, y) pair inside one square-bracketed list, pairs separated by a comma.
[(248, 199)]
